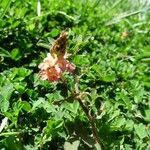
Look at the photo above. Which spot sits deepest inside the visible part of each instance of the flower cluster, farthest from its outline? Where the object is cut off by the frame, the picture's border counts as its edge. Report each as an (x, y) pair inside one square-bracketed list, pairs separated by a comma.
[(52, 67)]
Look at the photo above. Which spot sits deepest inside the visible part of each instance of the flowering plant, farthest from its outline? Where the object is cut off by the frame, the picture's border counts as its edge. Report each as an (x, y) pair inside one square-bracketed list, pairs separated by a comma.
[(52, 68)]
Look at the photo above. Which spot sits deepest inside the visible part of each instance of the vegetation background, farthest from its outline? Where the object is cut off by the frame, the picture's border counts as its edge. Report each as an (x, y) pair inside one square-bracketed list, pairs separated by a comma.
[(109, 42)]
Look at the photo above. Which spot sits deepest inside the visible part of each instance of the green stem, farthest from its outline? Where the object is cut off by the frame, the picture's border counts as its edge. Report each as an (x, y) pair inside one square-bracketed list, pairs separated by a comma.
[(9, 133), (43, 45)]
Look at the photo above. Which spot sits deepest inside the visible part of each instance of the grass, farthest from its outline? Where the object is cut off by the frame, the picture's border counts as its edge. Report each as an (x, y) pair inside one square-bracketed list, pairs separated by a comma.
[(109, 43)]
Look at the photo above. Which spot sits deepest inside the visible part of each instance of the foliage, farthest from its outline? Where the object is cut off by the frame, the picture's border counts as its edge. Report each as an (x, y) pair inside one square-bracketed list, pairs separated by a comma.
[(109, 42)]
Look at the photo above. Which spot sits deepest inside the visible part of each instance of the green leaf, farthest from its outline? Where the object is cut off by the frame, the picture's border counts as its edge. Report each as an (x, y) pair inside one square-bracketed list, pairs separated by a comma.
[(118, 124), (37, 103), (21, 73), (98, 146), (4, 104), (20, 87), (11, 141), (5, 94), (53, 127), (140, 130), (56, 96), (72, 107), (72, 146), (127, 147), (15, 54), (4, 53), (6, 7), (109, 77), (3, 124), (129, 125), (26, 106), (147, 115), (81, 60), (7, 90), (54, 32)]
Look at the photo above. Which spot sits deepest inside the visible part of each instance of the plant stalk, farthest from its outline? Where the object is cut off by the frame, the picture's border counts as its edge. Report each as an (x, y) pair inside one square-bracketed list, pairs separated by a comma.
[(86, 109)]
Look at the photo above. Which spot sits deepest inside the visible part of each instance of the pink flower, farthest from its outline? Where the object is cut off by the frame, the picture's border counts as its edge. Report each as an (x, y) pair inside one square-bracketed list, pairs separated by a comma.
[(65, 65), (48, 62), (52, 68)]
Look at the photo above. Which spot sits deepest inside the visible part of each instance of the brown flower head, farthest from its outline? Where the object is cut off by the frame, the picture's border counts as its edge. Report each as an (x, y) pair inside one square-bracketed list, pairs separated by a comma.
[(56, 63)]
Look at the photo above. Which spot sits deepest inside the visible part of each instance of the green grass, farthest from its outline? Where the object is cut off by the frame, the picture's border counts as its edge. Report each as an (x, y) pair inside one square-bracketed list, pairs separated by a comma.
[(113, 73)]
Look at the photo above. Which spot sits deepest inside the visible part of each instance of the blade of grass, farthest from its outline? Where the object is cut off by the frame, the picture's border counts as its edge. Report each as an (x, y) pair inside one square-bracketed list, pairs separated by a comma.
[(4, 53), (9, 133), (67, 16), (125, 15), (111, 8), (38, 8)]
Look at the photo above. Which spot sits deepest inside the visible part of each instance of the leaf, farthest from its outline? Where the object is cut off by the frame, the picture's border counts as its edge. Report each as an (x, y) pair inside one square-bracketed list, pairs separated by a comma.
[(26, 106), (71, 146), (118, 124), (81, 60), (5, 94), (145, 60), (127, 147), (147, 115), (11, 141), (7, 5), (72, 107), (20, 87), (3, 123), (4, 53), (21, 72), (97, 146), (7, 90), (54, 32), (37, 103), (129, 125), (15, 54), (56, 96), (109, 77), (140, 130), (52, 127)]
